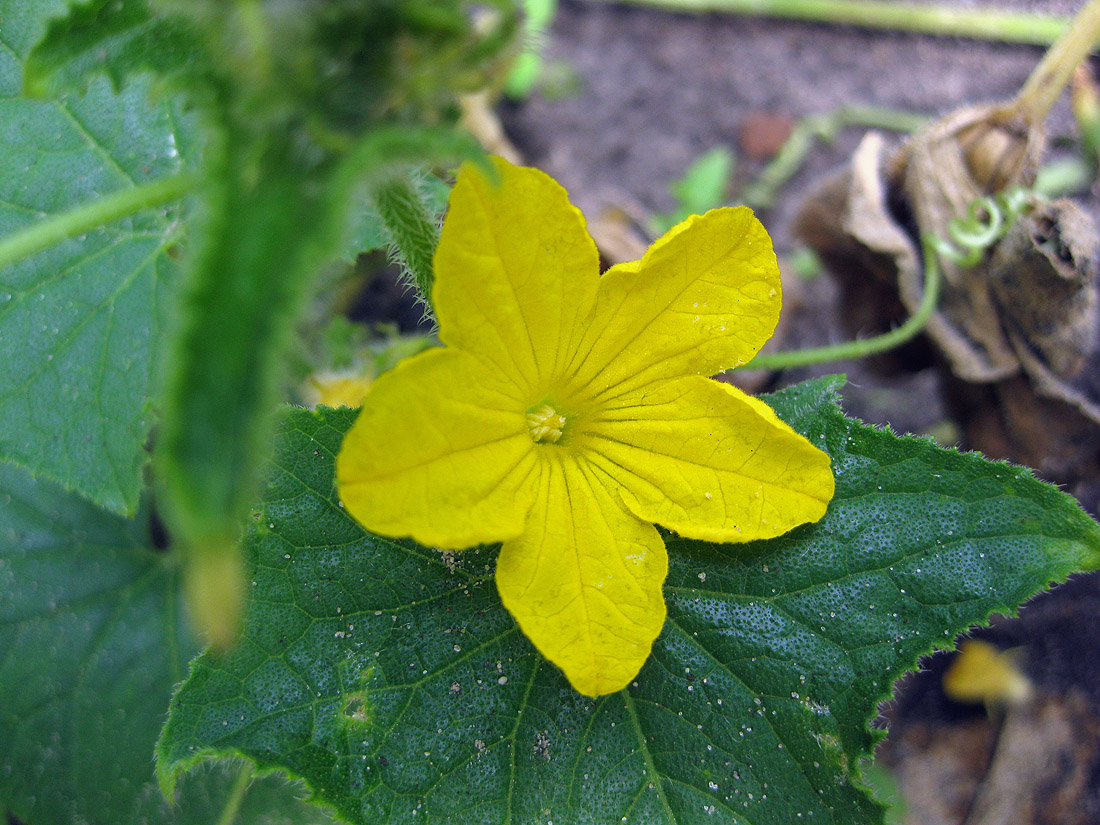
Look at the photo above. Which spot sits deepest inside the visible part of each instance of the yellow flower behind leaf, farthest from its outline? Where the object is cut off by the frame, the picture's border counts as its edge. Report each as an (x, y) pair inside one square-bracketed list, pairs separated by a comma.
[(982, 673), (337, 389), (569, 412)]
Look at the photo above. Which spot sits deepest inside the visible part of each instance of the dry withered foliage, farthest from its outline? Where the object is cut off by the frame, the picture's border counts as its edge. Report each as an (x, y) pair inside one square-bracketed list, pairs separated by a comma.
[(933, 178), (1024, 320), (1034, 765)]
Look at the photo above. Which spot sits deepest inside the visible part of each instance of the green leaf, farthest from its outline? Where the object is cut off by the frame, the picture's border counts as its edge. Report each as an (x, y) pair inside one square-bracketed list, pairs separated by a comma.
[(703, 187), (93, 642), (81, 321), (202, 797), (366, 232), (25, 22), (110, 37), (704, 184), (527, 66), (389, 677)]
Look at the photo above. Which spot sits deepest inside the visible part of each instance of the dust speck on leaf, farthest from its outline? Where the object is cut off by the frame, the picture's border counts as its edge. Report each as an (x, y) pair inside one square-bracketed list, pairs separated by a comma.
[(542, 745)]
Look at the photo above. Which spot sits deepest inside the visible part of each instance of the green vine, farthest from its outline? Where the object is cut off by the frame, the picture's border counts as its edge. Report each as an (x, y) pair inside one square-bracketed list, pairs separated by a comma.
[(987, 220), (946, 21), (867, 346)]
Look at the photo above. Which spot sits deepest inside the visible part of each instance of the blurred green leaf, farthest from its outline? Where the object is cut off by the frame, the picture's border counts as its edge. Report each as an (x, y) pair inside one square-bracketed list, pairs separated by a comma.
[(82, 321), (886, 790), (25, 22), (114, 38), (527, 68), (703, 187)]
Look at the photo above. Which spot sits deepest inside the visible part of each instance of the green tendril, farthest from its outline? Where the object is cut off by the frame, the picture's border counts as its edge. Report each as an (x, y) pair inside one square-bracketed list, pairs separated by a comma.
[(988, 219)]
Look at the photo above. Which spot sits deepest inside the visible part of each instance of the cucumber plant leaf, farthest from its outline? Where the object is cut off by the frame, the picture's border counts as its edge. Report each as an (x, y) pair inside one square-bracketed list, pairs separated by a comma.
[(391, 680), (111, 37), (26, 21), (82, 321), (94, 641)]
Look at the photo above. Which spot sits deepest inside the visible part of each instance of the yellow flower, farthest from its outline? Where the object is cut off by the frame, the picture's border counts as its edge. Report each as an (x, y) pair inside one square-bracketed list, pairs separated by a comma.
[(568, 412), (982, 673), (337, 389)]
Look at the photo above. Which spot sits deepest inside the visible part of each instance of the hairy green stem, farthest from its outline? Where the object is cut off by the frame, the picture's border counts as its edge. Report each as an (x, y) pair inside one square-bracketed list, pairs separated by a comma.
[(867, 346), (236, 796), (982, 24), (89, 216), (411, 229)]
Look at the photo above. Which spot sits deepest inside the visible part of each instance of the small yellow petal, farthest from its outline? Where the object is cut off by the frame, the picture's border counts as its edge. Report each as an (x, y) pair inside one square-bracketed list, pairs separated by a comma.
[(705, 298), (584, 579), (515, 273), (982, 673), (441, 452), (702, 458)]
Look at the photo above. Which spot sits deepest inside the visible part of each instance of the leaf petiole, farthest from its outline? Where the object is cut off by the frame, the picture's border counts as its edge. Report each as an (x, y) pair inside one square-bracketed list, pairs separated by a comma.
[(115, 206)]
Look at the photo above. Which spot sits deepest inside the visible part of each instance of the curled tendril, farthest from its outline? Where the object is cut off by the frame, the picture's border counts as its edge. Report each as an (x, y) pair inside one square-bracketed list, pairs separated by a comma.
[(987, 220)]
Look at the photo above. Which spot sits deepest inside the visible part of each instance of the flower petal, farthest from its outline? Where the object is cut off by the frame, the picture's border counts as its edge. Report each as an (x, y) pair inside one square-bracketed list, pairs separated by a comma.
[(704, 298), (704, 459), (440, 452), (515, 273), (584, 579)]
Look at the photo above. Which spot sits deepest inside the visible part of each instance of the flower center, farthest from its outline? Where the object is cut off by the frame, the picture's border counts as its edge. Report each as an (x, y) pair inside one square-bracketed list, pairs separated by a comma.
[(546, 424)]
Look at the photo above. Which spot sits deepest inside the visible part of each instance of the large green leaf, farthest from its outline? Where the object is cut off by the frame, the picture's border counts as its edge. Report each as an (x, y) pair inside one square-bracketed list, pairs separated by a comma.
[(93, 642), (390, 678), (81, 321)]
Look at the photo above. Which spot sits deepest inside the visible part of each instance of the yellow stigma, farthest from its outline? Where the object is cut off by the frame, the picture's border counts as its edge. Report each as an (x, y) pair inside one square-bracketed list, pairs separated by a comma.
[(546, 424)]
